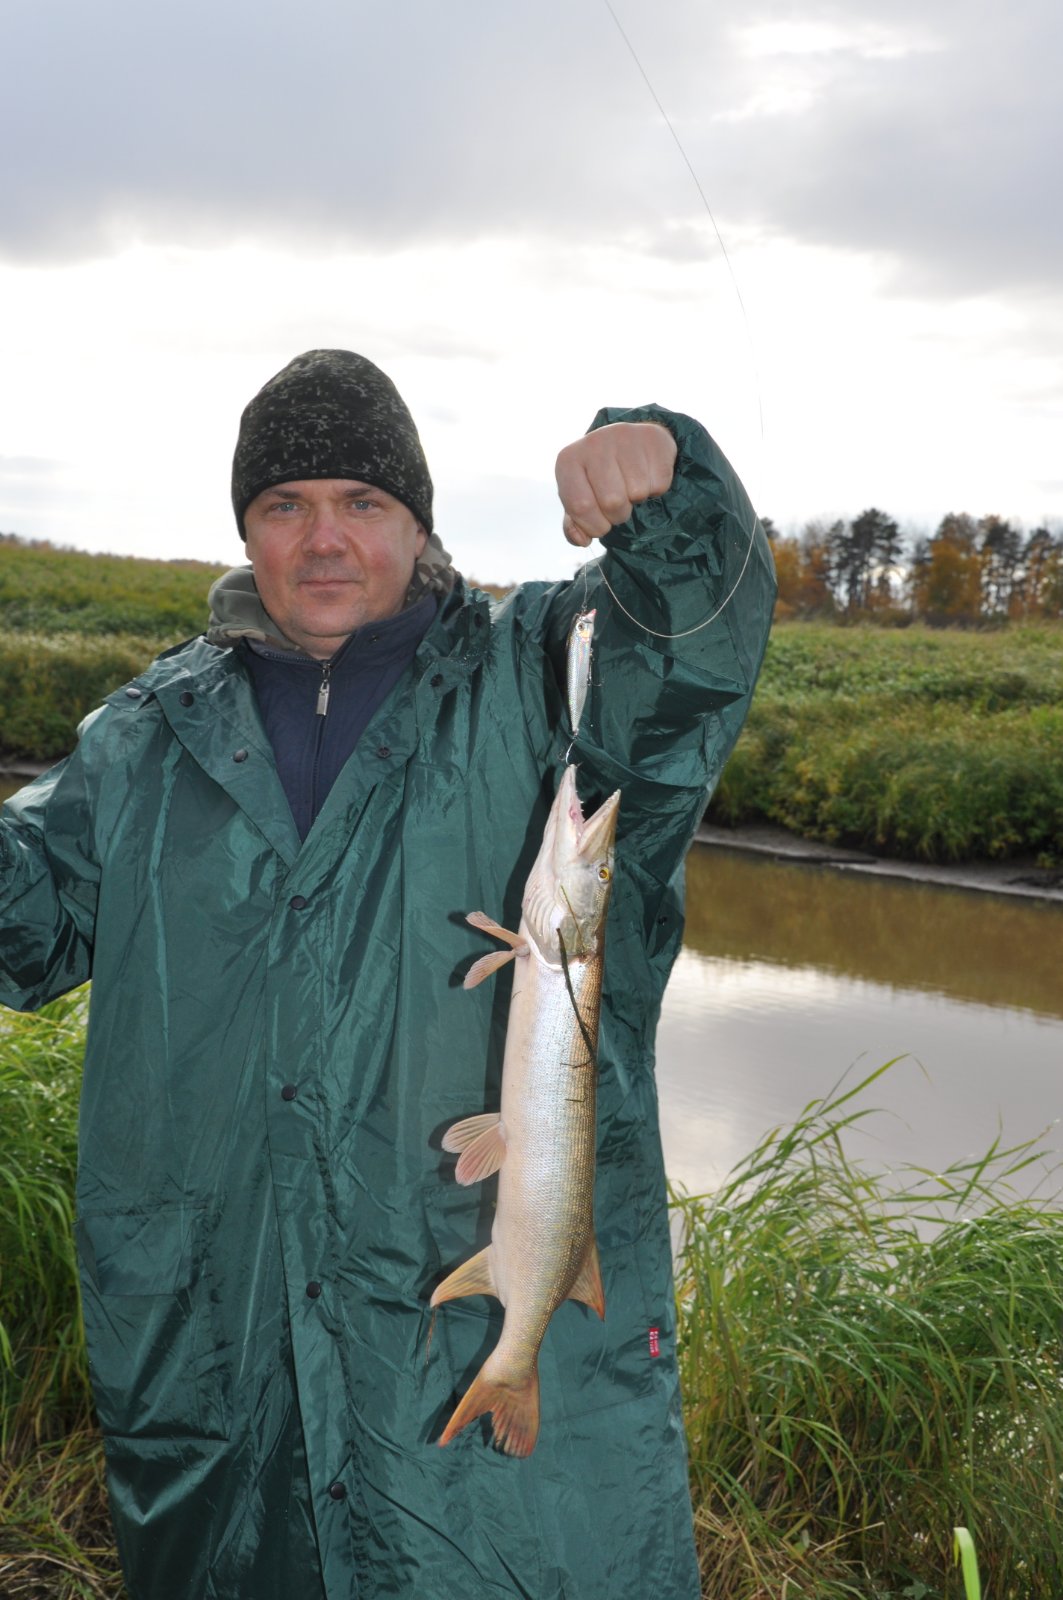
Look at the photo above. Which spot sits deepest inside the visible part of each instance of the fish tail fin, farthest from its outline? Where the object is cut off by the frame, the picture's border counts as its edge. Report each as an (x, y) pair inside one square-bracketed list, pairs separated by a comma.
[(514, 1408)]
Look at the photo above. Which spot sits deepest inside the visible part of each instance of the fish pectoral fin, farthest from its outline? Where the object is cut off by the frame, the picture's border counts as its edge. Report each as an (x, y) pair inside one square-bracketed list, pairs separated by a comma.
[(472, 1277), (483, 1156), (485, 966), (588, 1287), (486, 924)]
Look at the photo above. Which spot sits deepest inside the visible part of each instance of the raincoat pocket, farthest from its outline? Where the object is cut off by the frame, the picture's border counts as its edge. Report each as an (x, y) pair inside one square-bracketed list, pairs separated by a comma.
[(156, 1367)]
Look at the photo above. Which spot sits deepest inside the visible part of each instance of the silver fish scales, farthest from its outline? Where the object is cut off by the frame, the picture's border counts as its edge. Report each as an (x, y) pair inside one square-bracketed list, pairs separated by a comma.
[(542, 1143)]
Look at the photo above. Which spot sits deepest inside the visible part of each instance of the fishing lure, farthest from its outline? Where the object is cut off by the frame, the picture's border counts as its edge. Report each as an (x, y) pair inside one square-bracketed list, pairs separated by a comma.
[(580, 642)]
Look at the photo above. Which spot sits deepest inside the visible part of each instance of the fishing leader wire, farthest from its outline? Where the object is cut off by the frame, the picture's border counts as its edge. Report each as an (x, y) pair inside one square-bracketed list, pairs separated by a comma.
[(686, 632)]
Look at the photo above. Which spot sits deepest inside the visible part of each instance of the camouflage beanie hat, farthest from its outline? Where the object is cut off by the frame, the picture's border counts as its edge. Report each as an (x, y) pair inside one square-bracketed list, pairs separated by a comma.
[(330, 414)]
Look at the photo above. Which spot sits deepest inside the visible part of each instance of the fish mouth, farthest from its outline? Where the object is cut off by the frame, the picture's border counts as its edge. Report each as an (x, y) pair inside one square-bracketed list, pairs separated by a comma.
[(568, 889), (596, 832), (579, 835)]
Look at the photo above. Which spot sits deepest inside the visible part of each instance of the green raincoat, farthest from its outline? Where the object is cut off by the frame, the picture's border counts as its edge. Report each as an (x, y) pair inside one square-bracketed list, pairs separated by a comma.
[(278, 1038)]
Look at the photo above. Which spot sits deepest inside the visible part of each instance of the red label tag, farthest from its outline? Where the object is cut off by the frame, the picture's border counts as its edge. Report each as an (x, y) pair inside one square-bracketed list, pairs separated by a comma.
[(655, 1342)]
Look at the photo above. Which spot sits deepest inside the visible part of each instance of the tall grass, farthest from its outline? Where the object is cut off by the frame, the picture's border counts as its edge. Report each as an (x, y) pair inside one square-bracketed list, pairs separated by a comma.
[(55, 1537), (43, 1387), (866, 1365)]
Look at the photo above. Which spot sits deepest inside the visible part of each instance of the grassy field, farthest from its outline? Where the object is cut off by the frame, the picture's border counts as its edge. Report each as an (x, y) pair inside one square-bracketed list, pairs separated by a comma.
[(857, 1381), (45, 590), (911, 742)]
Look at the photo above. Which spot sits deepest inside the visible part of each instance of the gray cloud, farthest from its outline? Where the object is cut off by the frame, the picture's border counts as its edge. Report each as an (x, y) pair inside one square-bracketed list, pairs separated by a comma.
[(944, 157), (928, 134), (364, 124)]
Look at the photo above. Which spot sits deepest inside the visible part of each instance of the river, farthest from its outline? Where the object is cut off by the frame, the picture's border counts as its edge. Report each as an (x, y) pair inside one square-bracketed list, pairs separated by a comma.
[(793, 976)]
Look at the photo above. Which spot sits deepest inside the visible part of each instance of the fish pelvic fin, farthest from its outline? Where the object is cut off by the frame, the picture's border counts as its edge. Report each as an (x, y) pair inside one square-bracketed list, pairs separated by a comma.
[(472, 1277), (514, 1409), (460, 1135), (483, 1157), (481, 1143), (588, 1287)]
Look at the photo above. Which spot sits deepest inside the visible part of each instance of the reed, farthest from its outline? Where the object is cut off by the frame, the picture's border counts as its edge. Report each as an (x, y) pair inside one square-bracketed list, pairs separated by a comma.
[(56, 1541), (55, 1534), (866, 1363), (43, 1385)]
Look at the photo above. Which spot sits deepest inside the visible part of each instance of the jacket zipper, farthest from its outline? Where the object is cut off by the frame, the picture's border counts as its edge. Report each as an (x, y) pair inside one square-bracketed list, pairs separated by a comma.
[(323, 690)]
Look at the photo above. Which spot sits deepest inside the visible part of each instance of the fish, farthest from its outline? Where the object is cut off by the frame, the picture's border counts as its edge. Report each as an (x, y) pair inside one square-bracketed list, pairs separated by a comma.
[(580, 642), (543, 1249)]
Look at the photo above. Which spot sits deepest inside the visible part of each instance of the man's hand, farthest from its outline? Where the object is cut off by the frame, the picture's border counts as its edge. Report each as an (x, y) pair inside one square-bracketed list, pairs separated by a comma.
[(604, 474)]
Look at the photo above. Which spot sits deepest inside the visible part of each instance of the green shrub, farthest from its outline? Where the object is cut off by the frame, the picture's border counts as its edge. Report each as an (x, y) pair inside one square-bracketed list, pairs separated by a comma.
[(48, 684), (918, 744)]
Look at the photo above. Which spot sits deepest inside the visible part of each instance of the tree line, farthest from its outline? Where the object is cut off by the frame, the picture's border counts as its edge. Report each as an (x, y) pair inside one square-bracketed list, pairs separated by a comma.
[(969, 571)]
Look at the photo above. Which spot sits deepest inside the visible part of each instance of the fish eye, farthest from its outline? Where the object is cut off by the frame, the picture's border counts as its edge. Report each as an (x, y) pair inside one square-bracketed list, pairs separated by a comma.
[(604, 874)]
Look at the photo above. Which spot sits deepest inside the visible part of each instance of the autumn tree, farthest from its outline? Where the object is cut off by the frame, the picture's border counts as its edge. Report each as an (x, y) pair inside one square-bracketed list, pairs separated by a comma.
[(803, 572), (946, 575), (1042, 575)]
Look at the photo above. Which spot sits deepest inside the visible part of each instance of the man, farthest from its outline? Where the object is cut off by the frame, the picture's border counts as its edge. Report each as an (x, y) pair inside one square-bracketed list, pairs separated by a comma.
[(263, 852)]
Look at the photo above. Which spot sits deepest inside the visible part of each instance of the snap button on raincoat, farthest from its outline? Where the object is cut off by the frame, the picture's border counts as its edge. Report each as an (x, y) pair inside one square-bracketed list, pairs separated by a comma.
[(278, 1038)]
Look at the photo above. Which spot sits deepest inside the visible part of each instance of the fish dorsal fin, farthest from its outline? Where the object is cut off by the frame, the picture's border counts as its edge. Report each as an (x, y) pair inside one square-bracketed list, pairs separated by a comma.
[(588, 1286), (485, 966), (486, 924), (472, 1277)]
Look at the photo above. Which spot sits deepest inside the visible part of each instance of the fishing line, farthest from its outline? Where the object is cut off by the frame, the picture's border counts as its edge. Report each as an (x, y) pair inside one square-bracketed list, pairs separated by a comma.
[(686, 632), (591, 1051)]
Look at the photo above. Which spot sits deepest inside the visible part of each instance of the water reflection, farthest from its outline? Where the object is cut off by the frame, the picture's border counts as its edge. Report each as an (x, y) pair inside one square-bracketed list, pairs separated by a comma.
[(909, 935), (793, 974)]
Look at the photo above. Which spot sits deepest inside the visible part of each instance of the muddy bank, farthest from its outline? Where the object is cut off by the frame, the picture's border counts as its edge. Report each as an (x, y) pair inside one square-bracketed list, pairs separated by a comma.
[(1016, 876)]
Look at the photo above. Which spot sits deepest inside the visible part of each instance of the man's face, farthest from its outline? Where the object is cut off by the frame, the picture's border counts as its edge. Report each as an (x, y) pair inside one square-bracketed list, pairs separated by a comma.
[(328, 555)]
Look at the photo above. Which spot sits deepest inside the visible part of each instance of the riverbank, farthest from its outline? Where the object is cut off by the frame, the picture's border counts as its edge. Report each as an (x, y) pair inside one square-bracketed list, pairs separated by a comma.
[(912, 745), (1017, 876)]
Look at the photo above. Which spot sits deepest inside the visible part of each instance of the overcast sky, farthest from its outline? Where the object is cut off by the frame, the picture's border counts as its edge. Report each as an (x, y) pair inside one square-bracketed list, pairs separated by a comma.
[(485, 198)]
